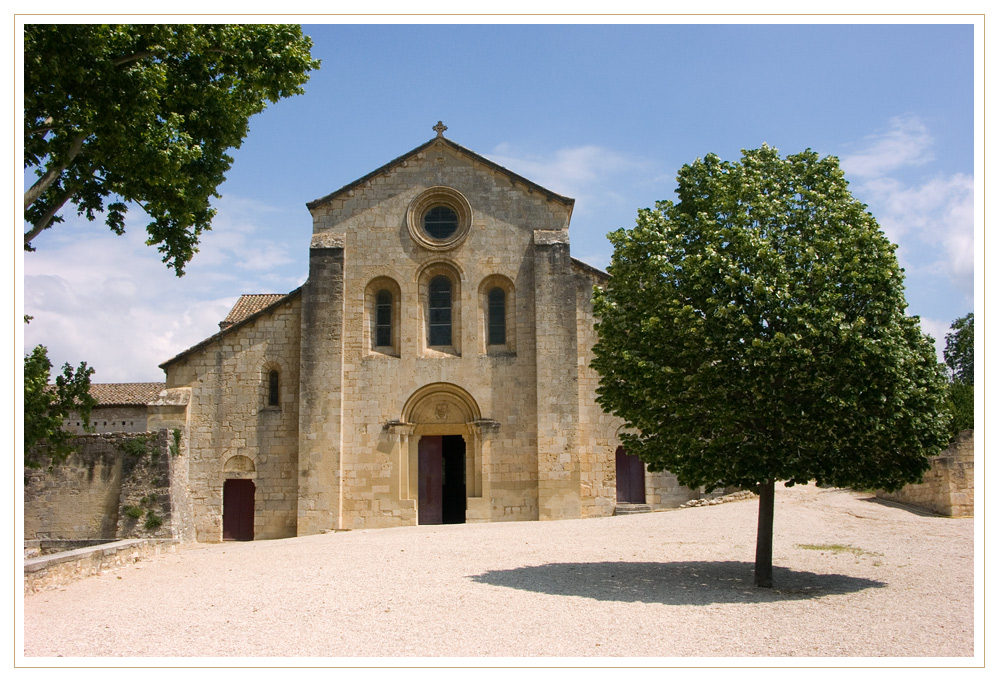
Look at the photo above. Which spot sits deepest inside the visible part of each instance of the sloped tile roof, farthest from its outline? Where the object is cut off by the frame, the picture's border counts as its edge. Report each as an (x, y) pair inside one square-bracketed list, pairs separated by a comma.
[(247, 305), (126, 394)]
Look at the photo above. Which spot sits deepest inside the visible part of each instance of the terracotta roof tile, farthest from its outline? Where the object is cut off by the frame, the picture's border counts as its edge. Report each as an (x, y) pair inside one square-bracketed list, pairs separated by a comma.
[(247, 305), (136, 393)]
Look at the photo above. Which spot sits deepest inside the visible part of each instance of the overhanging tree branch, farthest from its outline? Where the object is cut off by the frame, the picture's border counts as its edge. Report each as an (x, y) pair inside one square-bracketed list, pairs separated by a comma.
[(42, 184), (134, 100)]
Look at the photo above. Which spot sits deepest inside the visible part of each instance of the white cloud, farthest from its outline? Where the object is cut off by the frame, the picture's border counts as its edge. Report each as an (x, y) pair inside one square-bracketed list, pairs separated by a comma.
[(937, 329), (110, 301), (582, 173), (930, 217), (906, 143)]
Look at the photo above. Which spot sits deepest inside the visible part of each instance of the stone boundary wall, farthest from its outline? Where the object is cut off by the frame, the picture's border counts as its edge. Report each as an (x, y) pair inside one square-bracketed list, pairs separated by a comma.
[(947, 487), (54, 571), (115, 486)]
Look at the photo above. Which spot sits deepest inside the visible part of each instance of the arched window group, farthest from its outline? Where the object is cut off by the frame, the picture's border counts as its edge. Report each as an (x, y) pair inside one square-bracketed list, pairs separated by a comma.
[(439, 289)]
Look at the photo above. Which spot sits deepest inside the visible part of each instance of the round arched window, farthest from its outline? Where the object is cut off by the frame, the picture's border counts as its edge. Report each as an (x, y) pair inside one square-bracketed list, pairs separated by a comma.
[(439, 218)]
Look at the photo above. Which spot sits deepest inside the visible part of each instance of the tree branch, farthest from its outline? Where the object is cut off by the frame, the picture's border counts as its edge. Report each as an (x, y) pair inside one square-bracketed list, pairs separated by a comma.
[(46, 219), (44, 129), (43, 183), (128, 59)]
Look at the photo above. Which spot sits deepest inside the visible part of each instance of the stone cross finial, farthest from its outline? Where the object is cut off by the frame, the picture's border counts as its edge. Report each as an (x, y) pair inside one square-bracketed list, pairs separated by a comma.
[(440, 128)]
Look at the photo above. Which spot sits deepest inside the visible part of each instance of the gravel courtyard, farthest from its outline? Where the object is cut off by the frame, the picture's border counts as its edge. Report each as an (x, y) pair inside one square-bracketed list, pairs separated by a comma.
[(853, 577)]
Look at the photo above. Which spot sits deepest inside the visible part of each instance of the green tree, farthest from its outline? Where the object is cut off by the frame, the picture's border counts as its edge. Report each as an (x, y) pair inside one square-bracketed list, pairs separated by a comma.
[(959, 350), (145, 114), (755, 332), (959, 356), (46, 406)]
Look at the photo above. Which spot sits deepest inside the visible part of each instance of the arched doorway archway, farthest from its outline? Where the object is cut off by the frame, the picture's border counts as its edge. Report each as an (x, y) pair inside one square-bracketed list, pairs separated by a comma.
[(444, 452)]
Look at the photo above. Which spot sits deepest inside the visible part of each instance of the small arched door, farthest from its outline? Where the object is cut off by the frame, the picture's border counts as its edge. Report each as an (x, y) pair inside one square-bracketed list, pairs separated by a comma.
[(237, 510)]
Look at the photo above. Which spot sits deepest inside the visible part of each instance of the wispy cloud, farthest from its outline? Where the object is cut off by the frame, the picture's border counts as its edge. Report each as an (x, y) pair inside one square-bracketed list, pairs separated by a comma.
[(584, 173), (930, 216), (907, 142)]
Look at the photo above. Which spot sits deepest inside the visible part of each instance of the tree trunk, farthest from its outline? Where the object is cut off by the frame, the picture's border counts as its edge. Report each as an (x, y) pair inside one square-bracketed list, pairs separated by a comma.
[(765, 535)]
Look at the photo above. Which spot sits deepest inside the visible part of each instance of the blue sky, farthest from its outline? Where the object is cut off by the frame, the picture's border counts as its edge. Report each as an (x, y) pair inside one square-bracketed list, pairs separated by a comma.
[(606, 114)]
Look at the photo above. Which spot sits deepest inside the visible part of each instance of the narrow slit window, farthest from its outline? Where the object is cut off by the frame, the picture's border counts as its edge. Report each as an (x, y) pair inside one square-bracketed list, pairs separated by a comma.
[(383, 318), (439, 312), (272, 388), (497, 317)]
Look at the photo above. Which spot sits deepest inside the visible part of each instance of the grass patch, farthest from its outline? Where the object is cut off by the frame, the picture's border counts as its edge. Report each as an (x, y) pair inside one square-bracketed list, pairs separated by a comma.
[(837, 548), (133, 511)]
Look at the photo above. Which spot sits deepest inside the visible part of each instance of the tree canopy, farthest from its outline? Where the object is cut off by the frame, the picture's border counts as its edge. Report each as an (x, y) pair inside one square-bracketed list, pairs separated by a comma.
[(145, 114), (755, 331), (959, 349), (46, 406), (959, 356)]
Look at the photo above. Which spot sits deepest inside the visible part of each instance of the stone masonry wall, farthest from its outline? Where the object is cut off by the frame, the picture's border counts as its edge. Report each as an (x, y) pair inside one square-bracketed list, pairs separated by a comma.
[(947, 487), (230, 422), (109, 420), (90, 494)]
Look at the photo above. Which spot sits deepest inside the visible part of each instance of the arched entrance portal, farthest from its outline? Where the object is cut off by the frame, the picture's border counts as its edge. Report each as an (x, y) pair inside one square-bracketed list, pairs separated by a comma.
[(444, 452)]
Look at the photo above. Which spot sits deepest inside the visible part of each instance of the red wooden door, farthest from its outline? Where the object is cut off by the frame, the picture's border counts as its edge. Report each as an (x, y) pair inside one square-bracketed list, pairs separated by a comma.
[(237, 510), (430, 472), (631, 477)]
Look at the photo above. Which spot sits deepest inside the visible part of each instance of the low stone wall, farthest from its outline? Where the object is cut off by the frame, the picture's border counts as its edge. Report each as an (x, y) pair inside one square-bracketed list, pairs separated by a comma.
[(114, 486), (947, 487), (56, 570)]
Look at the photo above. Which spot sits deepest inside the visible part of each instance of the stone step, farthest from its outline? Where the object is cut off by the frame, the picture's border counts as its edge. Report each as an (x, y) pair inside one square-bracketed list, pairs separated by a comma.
[(632, 508)]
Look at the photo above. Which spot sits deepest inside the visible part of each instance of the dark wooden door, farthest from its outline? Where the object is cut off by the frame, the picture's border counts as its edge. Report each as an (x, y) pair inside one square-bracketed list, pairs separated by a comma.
[(237, 510), (631, 477), (430, 471)]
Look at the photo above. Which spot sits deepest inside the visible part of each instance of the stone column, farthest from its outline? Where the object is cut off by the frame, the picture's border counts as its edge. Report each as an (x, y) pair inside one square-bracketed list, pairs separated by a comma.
[(557, 378), (321, 375)]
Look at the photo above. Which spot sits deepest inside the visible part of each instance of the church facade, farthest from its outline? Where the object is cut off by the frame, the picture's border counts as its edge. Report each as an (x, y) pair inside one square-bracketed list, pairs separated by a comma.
[(434, 368)]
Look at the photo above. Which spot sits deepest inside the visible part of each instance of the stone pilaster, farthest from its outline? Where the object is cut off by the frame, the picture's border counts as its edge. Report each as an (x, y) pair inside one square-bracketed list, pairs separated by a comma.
[(321, 384), (557, 380)]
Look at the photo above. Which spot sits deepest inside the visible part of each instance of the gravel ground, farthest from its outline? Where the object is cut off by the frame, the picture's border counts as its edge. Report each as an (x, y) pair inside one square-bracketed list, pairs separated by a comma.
[(853, 577)]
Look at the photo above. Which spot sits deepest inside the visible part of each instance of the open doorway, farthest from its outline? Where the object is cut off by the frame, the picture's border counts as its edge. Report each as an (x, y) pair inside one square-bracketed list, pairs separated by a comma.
[(441, 479)]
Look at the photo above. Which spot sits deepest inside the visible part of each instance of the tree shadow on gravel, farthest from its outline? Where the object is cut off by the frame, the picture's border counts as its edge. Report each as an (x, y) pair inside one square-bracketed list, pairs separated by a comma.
[(672, 583)]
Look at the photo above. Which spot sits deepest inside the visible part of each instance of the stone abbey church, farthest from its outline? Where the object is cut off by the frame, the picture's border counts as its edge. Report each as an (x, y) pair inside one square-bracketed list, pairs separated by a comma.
[(434, 368)]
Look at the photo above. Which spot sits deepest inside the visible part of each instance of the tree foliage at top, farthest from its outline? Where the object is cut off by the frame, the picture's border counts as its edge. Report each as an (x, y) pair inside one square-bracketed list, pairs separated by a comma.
[(46, 406), (959, 356), (145, 114), (959, 349), (755, 331)]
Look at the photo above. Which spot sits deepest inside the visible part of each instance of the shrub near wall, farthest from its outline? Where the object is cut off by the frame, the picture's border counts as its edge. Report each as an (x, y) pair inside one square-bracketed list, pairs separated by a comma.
[(115, 486)]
